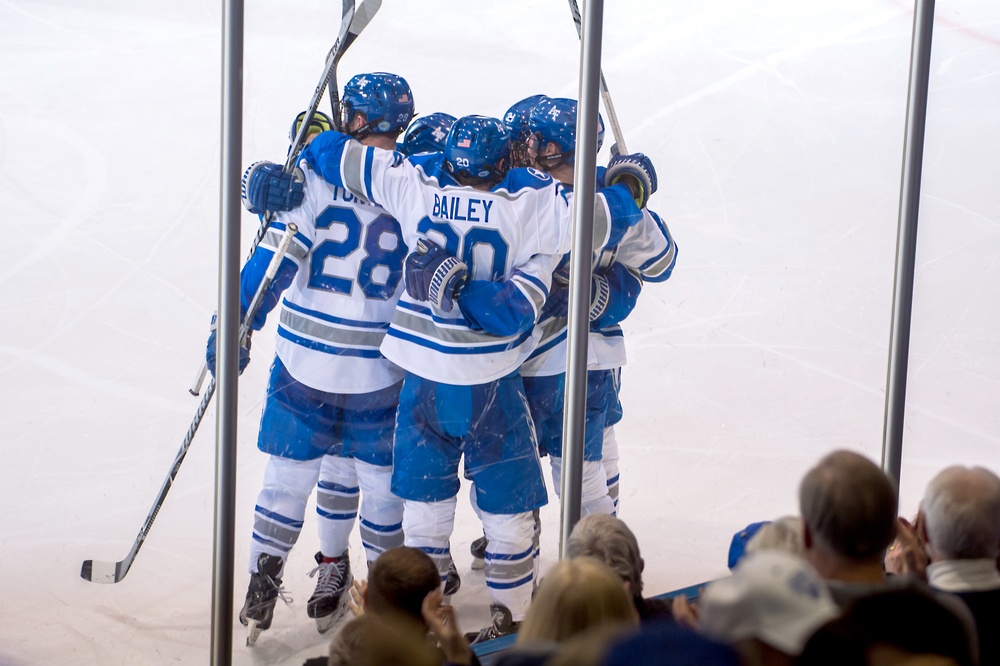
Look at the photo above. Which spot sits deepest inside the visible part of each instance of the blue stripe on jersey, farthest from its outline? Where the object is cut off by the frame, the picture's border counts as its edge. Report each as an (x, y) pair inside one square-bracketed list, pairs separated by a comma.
[(615, 332), (541, 349), (451, 321), (533, 280), (655, 259), (328, 349), (334, 320), (424, 342)]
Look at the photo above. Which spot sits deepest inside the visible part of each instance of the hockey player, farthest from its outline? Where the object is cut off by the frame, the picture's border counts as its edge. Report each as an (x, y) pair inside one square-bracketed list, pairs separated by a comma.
[(331, 399), (547, 131), (426, 134), (485, 245), (646, 253)]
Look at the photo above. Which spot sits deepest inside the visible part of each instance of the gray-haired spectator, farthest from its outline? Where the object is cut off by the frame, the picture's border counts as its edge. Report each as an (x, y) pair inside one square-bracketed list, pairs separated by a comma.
[(610, 540), (848, 508), (768, 608), (961, 529)]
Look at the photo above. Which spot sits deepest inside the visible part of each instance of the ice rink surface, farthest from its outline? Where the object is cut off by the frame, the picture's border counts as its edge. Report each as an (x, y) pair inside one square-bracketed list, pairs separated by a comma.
[(777, 131)]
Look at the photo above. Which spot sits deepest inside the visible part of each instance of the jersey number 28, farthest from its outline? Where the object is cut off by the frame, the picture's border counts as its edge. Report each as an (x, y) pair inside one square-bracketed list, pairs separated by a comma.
[(383, 230)]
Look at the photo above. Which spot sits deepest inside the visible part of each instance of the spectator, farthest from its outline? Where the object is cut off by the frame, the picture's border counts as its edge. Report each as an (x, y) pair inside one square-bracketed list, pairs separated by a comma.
[(961, 528), (848, 508), (895, 626), (576, 596), (907, 554), (668, 643), (399, 581), (610, 540), (371, 640), (767, 610), (404, 589)]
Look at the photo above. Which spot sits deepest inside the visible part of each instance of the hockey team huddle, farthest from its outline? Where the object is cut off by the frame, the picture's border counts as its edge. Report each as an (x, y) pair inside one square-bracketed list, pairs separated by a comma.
[(423, 312)]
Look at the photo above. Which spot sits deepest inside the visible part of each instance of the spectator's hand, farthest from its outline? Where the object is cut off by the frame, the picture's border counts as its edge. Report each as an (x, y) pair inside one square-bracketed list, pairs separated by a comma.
[(906, 555), (686, 612), (357, 601), (441, 620)]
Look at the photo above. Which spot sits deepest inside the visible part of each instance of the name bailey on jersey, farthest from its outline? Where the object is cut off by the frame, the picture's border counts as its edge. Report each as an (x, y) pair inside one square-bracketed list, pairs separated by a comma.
[(451, 208)]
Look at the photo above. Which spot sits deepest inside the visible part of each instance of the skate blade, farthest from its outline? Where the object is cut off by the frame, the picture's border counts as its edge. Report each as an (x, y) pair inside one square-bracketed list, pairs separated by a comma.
[(478, 564), (253, 632), (324, 624)]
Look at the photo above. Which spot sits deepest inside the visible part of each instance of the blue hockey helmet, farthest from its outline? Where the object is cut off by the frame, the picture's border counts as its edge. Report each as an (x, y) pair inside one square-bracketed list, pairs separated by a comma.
[(320, 122), (385, 100), (554, 120), (477, 147), (427, 134), (516, 117)]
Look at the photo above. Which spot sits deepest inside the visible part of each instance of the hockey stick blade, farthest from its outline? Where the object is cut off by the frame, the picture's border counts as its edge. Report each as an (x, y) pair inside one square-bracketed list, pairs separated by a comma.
[(362, 17), (103, 572)]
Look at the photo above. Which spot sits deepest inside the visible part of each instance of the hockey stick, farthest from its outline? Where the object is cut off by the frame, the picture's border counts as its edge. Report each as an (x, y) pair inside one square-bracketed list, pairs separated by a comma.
[(351, 24), (362, 17), (616, 128), (99, 571)]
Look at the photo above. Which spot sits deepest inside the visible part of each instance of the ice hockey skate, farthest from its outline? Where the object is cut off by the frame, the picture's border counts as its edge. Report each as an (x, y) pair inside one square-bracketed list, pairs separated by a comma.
[(502, 625), (452, 581), (478, 550), (262, 595), (328, 602)]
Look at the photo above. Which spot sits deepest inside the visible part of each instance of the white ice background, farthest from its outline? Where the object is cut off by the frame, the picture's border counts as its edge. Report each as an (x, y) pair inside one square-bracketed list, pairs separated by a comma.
[(777, 130)]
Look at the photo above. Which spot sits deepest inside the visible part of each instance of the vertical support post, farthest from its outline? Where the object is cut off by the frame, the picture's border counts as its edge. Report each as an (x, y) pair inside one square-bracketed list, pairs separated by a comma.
[(581, 265), (227, 369), (906, 238)]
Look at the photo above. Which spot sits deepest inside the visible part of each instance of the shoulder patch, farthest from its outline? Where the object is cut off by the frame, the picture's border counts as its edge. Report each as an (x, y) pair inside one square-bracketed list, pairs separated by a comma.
[(525, 178)]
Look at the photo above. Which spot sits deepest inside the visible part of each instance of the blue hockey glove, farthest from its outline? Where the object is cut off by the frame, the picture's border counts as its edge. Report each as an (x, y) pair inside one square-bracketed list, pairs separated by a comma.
[(266, 187), (210, 349), (600, 292), (636, 172), (434, 275), (557, 304)]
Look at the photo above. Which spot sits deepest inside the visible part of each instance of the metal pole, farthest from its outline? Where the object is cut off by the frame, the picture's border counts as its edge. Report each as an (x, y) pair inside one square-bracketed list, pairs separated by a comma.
[(906, 238), (581, 260), (227, 370)]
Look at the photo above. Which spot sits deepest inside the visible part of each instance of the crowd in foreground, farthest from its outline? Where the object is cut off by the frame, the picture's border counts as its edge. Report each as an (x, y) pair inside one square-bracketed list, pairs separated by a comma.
[(846, 582)]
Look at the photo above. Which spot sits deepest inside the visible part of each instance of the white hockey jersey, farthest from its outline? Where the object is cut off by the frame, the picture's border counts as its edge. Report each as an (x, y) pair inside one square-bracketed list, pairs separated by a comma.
[(648, 249), (336, 312), (516, 232)]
